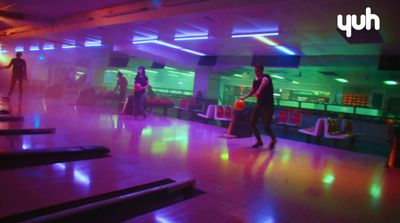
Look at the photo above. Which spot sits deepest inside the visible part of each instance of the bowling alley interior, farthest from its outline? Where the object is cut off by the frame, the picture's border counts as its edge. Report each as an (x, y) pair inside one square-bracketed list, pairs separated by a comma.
[(148, 111)]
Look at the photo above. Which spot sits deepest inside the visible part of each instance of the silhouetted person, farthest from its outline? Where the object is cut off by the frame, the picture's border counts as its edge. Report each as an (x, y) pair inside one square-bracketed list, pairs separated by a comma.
[(263, 89), (122, 83), (140, 92), (18, 73)]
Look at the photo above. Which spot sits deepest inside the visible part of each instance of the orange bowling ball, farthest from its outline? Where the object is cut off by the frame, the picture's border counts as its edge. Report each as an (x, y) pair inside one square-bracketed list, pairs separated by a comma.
[(138, 87), (239, 105)]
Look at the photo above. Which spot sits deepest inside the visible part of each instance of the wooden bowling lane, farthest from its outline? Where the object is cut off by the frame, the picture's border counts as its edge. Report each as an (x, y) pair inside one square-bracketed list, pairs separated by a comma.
[(32, 188), (204, 208), (298, 182)]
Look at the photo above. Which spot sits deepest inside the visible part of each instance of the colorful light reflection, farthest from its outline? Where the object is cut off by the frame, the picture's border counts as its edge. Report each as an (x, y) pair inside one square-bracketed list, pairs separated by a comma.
[(147, 132), (375, 191), (4, 60), (266, 41), (328, 179)]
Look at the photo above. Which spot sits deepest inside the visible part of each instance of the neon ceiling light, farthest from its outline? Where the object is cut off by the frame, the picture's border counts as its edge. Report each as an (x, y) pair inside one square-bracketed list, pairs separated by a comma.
[(144, 41), (342, 80), (275, 45), (185, 38), (3, 51), (67, 46), (152, 71), (34, 48), (181, 73), (68, 43), (19, 49), (295, 82), (285, 50), (266, 41), (48, 47), (169, 68), (92, 43), (391, 82), (247, 35), (238, 75), (277, 76), (193, 52), (167, 45)]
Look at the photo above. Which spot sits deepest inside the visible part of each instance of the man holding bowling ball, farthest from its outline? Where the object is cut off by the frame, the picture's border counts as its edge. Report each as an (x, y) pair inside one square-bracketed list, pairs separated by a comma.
[(263, 89)]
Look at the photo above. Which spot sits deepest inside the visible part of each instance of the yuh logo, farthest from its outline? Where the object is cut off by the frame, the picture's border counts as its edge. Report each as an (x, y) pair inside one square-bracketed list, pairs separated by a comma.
[(364, 22)]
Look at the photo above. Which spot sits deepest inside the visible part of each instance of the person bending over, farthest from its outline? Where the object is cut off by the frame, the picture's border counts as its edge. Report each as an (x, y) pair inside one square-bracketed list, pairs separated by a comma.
[(263, 89)]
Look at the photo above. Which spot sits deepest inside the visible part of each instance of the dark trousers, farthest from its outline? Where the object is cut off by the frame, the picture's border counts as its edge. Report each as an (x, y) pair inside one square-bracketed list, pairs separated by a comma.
[(122, 94), (265, 113), (14, 79), (139, 104)]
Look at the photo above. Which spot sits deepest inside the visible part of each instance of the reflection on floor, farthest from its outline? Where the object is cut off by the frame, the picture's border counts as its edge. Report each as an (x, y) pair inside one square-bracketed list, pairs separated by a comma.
[(297, 182)]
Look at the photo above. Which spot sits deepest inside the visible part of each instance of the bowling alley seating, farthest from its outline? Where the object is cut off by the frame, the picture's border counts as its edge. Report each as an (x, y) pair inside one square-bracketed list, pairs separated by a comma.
[(220, 114), (333, 131), (316, 130), (228, 112), (189, 107), (295, 119), (283, 117), (289, 119), (160, 102), (209, 115)]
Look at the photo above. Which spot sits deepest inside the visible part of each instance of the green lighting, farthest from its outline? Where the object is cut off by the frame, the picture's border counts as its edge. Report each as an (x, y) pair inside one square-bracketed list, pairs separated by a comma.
[(152, 71), (238, 75), (169, 68), (158, 147), (342, 109), (125, 71), (375, 191), (390, 82), (181, 73), (293, 104), (295, 82), (367, 111), (115, 121), (225, 156), (313, 106), (147, 132), (328, 179), (342, 80), (277, 76), (305, 92), (286, 156)]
